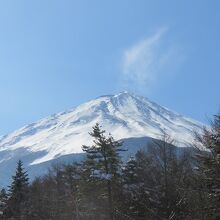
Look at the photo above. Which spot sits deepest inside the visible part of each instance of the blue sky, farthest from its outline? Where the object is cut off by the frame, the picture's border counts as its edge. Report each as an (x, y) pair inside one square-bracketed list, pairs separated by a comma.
[(55, 55)]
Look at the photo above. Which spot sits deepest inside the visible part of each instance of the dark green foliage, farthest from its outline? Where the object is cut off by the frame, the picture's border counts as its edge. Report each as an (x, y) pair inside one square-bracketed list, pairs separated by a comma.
[(17, 202), (209, 168), (101, 172)]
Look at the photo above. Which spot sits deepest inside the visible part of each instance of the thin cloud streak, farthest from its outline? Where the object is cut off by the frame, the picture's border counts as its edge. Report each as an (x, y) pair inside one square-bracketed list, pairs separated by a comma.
[(144, 62)]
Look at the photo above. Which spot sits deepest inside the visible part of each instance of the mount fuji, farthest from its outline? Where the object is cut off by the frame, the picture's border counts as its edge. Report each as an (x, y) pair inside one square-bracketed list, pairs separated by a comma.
[(59, 137)]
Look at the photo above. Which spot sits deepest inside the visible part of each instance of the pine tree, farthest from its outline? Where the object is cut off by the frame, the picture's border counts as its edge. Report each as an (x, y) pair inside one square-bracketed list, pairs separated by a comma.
[(102, 165), (209, 167), (132, 190), (17, 203), (140, 186)]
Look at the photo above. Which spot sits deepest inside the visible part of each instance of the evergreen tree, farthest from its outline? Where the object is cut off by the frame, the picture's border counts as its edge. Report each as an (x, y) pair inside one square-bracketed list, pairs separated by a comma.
[(156, 182), (17, 203), (141, 192), (132, 190), (209, 167), (102, 166)]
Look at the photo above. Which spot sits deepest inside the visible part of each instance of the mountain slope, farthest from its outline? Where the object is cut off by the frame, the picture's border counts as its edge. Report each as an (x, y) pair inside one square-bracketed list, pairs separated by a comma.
[(125, 115)]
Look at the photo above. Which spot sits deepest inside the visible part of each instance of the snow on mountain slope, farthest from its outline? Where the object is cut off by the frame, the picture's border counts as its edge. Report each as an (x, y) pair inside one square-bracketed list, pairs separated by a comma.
[(125, 115)]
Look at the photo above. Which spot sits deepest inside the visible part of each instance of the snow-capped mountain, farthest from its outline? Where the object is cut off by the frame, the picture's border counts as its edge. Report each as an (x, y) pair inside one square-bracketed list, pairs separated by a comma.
[(125, 115)]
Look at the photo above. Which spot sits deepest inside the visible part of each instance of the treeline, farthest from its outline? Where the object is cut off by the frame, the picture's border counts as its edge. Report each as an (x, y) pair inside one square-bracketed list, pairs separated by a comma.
[(160, 182)]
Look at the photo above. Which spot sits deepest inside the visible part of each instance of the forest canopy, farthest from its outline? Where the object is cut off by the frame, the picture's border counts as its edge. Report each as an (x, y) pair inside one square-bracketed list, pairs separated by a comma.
[(158, 182)]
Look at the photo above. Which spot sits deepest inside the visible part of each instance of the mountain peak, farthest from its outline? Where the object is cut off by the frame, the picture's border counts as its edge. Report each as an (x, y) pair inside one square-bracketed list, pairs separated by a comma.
[(125, 115), (122, 93)]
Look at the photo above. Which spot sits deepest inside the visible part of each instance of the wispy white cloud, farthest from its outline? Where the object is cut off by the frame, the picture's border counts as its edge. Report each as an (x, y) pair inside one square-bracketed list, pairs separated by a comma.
[(144, 62)]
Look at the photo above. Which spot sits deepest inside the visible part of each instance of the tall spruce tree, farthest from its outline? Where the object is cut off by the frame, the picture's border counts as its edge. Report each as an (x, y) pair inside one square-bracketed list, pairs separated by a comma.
[(17, 203), (102, 166), (209, 167), (132, 190)]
